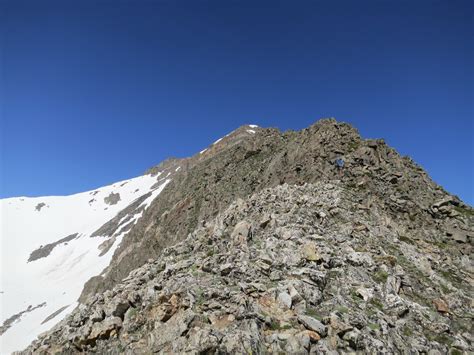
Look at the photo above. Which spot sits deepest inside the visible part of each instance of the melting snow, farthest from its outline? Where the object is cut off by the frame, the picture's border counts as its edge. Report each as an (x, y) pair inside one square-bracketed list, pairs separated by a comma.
[(217, 141), (57, 279)]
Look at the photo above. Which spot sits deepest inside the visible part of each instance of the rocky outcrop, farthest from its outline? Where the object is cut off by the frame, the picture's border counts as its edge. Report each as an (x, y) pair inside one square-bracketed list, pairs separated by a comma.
[(313, 268), (112, 199), (44, 250), (14, 318), (39, 206)]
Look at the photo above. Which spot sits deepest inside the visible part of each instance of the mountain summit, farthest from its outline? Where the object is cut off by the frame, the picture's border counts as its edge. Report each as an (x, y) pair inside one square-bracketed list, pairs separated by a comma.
[(307, 241)]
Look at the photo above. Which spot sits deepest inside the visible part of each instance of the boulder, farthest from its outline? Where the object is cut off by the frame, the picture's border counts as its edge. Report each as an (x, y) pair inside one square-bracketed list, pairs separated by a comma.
[(106, 328), (117, 307), (313, 324), (241, 232), (285, 299)]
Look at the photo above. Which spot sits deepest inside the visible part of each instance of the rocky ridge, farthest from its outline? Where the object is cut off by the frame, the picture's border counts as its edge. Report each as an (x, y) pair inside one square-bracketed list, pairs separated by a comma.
[(251, 159), (258, 244), (293, 269)]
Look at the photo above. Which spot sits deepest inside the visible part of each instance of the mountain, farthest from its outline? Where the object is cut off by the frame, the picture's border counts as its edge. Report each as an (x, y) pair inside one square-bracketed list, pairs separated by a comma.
[(259, 243)]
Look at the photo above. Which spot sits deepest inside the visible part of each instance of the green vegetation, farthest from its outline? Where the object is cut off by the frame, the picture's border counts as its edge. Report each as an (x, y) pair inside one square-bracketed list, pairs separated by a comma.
[(465, 211), (450, 276), (439, 338), (313, 313), (342, 309), (376, 303), (441, 244), (380, 276), (275, 325), (407, 331), (406, 239), (258, 243), (373, 326), (199, 296), (445, 288), (352, 146), (194, 270), (355, 296), (210, 252), (133, 312)]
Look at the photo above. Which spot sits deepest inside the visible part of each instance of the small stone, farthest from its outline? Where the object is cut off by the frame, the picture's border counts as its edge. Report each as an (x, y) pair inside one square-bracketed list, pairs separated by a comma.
[(275, 275), (295, 296), (225, 269), (310, 252), (313, 336), (441, 305), (365, 293), (351, 337), (97, 316), (264, 222)]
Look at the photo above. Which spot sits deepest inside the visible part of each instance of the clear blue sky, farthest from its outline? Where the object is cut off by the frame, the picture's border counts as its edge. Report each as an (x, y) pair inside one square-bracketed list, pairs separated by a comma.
[(97, 91)]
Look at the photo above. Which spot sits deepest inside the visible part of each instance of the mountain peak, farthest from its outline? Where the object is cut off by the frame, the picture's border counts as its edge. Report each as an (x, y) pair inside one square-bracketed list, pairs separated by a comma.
[(300, 241)]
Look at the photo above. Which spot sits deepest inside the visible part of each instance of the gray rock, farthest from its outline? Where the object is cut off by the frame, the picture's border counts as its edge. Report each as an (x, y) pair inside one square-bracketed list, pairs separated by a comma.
[(117, 307), (285, 299), (313, 324), (105, 329)]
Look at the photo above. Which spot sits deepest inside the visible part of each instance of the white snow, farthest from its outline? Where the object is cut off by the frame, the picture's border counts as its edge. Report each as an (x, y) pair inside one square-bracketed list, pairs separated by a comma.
[(57, 279), (251, 131), (202, 151), (217, 141), (253, 126)]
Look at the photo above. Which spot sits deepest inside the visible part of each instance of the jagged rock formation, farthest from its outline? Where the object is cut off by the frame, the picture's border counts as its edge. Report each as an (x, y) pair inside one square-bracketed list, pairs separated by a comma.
[(243, 163), (259, 244)]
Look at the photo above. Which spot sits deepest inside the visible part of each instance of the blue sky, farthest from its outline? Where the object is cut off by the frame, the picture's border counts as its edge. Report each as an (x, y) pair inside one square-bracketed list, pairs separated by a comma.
[(97, 91)]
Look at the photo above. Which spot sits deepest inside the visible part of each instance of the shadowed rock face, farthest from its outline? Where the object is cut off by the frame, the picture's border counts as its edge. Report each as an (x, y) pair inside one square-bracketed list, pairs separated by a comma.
[(44, 251)]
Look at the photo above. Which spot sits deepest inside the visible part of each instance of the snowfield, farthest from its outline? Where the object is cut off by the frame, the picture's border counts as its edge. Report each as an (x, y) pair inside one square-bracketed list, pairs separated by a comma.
[(54, 277)]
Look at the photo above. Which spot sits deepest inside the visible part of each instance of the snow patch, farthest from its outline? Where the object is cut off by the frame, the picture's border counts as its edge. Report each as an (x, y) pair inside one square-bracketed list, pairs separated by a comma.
[(58, 278)]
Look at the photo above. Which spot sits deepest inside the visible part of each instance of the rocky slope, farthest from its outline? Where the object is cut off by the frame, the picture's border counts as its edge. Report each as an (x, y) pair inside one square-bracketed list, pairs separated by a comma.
[(259, 244)]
